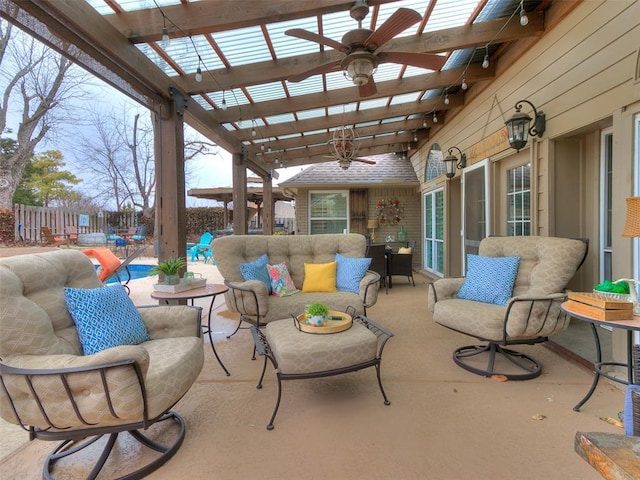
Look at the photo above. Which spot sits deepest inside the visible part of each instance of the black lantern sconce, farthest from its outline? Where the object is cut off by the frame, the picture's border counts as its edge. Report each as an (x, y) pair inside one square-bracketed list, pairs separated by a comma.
[(451, 162), (518, 126)]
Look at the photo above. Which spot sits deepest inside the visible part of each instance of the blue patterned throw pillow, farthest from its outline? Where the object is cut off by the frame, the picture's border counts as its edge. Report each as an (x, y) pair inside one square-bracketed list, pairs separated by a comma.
[(105, 317), (489, 279), (349, 272), (257, 270)]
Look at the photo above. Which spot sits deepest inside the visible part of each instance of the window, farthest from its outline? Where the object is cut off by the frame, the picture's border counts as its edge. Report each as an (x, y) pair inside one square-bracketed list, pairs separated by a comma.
[(519, 200), (328, 212), (435, 163), (606, 184), (434, 231)]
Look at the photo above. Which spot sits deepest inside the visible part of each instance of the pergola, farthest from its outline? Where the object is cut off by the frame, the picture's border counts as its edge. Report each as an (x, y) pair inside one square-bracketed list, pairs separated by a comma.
[(255, 195), (233, 73)]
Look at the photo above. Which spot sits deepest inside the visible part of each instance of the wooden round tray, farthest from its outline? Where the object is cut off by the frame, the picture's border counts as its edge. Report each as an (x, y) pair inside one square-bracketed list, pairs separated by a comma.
[(333, 325)]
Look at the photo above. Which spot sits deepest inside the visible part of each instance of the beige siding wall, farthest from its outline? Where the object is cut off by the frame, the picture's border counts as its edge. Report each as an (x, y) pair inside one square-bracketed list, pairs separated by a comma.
[(585, 75), (412, 219), (582, 75)]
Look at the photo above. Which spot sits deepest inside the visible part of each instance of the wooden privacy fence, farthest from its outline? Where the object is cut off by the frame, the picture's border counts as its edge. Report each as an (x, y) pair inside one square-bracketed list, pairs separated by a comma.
[(29, 219)]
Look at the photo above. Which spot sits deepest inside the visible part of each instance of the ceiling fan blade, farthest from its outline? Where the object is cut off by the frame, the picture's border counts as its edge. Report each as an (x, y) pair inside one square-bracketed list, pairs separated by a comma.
[(368, 89), (314, 37), (363, 160), (326, 68), (429, 61), (401, 19)]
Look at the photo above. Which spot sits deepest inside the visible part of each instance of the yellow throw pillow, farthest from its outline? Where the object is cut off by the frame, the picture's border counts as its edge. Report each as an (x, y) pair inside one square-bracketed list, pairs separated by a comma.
[(404, 250), (319, 277)]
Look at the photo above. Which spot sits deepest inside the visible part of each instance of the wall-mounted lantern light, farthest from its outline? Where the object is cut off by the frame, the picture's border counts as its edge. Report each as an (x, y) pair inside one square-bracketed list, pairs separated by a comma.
[(451, 162), (518, 126)]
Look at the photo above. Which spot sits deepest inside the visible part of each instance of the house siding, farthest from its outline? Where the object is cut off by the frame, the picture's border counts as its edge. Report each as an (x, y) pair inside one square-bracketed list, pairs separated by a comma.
[(584, 75)]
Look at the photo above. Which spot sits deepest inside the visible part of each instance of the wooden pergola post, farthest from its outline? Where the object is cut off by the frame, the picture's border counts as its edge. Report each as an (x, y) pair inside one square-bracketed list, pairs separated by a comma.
[(268, 206), (171, 217), (239, 194)]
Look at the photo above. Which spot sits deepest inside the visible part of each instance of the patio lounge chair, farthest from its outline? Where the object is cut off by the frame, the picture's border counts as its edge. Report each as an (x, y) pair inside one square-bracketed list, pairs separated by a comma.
[(112, 267), (72, 384), (48, 238), (511, 295), (203, 247), (71, 232)]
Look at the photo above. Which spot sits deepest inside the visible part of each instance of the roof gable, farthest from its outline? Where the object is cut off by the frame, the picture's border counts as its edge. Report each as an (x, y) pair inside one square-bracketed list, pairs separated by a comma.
[(390, 169)]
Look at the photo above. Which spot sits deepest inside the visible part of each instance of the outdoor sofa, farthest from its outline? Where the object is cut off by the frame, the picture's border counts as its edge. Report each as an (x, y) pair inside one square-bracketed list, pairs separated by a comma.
[(252, 299)]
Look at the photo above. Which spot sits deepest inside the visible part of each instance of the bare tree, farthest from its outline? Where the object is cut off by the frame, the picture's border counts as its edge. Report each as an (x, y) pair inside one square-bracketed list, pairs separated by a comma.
[(119, 154), (37, 85)]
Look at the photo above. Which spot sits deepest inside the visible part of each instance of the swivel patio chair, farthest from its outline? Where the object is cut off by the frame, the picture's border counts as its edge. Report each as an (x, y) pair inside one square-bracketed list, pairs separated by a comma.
[(511, 296), (66, 376)]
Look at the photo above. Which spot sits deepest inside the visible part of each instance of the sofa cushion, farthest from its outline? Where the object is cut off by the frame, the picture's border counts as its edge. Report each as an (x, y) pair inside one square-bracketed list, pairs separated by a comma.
[(105, 317), (257, 270), (350, 271), (281, 283), (489, 279), (319, 277)]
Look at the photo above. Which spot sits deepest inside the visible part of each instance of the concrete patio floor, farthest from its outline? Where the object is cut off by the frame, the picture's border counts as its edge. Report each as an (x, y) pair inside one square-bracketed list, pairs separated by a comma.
[(443, 422)]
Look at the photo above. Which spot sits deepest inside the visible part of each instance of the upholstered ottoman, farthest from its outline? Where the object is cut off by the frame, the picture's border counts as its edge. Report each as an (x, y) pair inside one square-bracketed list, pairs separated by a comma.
[(296, 354)]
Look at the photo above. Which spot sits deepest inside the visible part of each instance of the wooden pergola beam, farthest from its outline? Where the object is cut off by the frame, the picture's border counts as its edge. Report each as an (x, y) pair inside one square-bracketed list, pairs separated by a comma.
[(445, 40)]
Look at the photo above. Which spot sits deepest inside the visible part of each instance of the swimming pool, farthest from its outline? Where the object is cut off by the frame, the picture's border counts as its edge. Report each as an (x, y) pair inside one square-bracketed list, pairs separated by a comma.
[(136, 271)]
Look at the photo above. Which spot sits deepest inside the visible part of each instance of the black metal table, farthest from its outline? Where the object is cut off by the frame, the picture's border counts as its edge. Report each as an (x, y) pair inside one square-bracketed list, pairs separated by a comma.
[(209, 290), (630, 326)]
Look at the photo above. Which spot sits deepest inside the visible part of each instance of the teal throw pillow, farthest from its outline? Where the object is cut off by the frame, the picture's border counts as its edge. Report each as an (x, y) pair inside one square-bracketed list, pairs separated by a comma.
[(105, 317), (257, 270), (489, 279), (349, 272)]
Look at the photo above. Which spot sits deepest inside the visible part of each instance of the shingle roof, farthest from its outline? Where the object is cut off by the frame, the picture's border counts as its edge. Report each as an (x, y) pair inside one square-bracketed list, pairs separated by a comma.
[(389, 170)]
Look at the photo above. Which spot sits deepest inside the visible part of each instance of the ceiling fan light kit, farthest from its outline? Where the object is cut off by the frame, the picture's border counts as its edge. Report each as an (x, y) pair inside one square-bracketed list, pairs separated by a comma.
[(359, 66), (362, 46)]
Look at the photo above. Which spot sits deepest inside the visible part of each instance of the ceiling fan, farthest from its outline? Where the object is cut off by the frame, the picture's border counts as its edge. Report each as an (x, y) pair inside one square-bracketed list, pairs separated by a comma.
[(345, 144), (362, 49)]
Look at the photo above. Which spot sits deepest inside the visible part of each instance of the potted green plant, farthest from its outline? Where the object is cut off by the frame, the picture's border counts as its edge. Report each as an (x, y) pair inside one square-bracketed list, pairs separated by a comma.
[(170, 268), (618, 289), (317, 313)]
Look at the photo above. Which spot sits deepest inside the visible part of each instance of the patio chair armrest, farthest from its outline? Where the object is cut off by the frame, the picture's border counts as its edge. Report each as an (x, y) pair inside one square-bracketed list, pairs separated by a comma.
[(369, 288), (382, 333), (169, 321), (443, 289), (545, 309), (73, 391), (247, 298)]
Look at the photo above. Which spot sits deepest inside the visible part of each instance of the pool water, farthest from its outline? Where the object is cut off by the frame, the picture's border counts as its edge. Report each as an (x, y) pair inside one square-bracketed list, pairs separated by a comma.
[(136, 270)]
